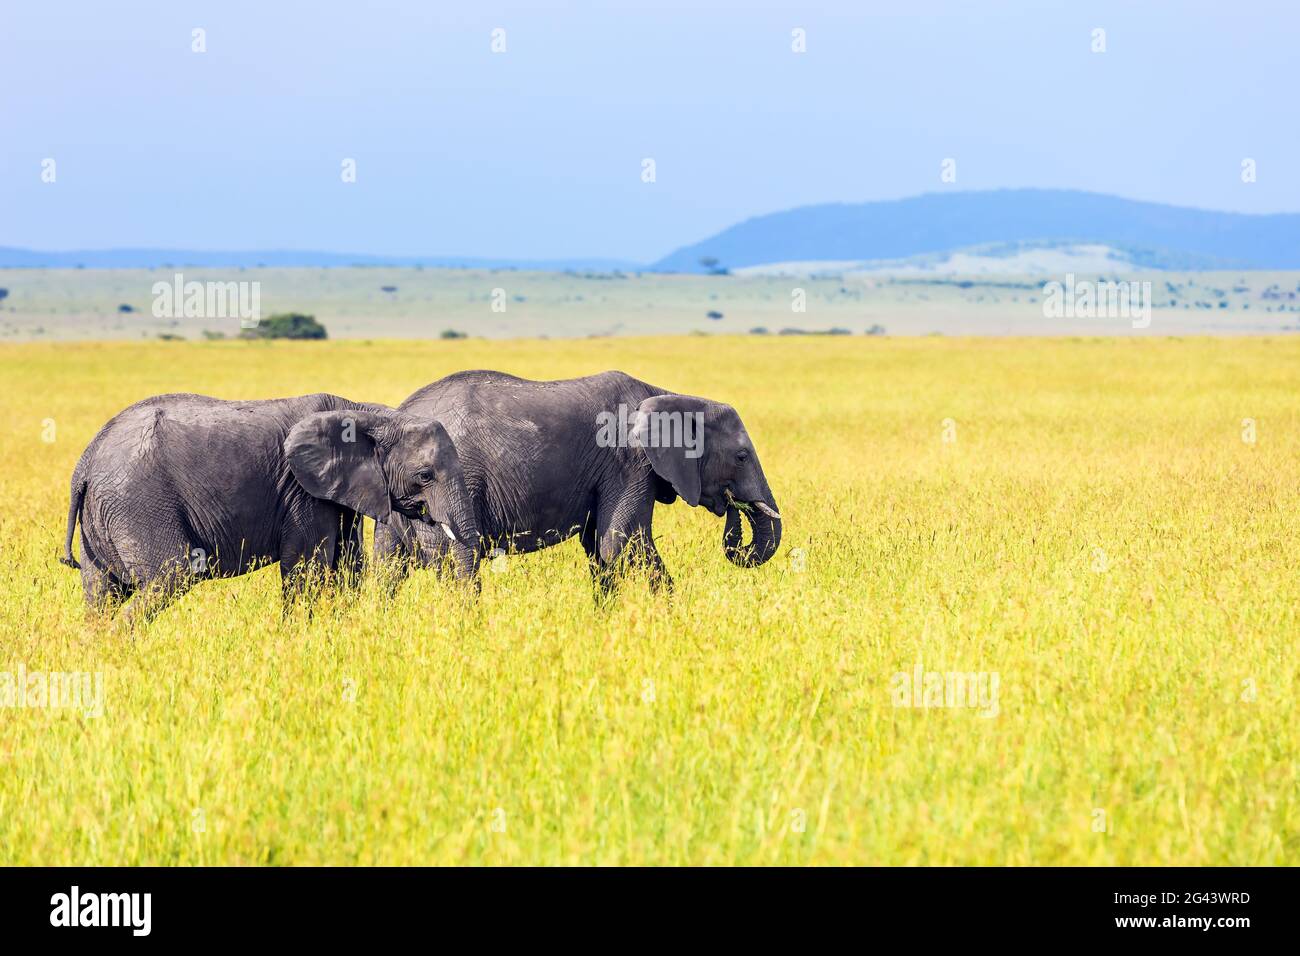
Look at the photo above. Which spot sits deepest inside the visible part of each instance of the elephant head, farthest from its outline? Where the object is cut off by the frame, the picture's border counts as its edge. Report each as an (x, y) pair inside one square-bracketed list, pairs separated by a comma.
[(378, 462), (701, 449)]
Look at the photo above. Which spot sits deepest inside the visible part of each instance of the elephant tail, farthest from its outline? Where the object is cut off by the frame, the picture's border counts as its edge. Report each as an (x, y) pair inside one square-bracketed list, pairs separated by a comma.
[(74, 512)]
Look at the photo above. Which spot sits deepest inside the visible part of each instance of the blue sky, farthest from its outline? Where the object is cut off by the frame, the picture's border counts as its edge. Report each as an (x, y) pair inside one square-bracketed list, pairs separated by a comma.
[(537, 152)]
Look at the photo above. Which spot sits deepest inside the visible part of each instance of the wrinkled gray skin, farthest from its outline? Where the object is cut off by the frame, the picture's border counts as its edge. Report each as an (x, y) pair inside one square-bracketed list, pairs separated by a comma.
[(178, 488), (537, 475)]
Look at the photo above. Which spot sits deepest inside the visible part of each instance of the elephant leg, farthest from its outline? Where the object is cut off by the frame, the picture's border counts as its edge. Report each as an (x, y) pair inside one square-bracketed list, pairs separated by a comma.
[(296, 579), (302, 576), (158, 570), (588, 539), (389, 543), (104, 593), (601, 564), (622, 535), (308, 551), (349, 559), (638, 552), (642, 553), (392, 555), (153, 595)]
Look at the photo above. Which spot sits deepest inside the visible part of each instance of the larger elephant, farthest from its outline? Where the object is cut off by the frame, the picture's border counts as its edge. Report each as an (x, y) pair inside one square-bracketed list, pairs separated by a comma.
[(178, 488), (542, 465)]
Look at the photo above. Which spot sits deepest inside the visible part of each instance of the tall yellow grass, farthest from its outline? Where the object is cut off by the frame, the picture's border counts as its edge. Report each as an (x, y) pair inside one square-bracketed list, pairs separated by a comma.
[(1089, 525)]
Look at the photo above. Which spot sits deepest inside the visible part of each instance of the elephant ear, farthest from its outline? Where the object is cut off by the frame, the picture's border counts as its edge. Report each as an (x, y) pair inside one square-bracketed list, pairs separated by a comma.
[(334, 456), (657, 429)]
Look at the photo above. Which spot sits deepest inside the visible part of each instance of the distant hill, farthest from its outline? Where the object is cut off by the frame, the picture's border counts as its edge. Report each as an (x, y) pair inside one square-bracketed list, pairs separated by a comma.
[(168, 258), (942, 232), (1149, 235)]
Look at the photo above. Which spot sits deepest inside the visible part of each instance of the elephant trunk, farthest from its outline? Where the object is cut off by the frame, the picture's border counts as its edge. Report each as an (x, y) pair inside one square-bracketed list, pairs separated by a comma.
[(764, 526), (462, 524)]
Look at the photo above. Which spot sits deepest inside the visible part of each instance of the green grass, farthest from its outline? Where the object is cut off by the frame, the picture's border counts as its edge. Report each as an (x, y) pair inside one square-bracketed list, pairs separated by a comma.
[(1098, 535)]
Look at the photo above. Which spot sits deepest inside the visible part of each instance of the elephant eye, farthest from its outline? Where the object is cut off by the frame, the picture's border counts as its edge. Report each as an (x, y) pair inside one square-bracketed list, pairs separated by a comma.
[(742, 456), (424, 476)]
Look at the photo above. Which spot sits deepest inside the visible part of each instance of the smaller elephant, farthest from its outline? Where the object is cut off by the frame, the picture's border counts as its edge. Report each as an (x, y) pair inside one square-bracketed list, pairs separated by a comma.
[(178, 488)]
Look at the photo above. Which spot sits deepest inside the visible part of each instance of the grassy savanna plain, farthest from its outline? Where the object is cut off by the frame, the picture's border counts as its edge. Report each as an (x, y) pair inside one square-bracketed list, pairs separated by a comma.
[(1083, 518), (376, 302)]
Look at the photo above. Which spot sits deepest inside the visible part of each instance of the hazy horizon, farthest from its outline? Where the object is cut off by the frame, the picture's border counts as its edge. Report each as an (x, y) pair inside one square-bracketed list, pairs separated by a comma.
[(473, 261)]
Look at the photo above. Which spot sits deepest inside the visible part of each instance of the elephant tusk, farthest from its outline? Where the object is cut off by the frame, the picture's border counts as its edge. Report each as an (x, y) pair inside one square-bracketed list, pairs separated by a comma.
[(767, 511), (447, 531)]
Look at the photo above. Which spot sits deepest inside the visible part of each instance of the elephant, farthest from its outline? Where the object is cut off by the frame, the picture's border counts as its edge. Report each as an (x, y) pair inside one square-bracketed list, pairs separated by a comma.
[(548, 460), (178, 488)]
